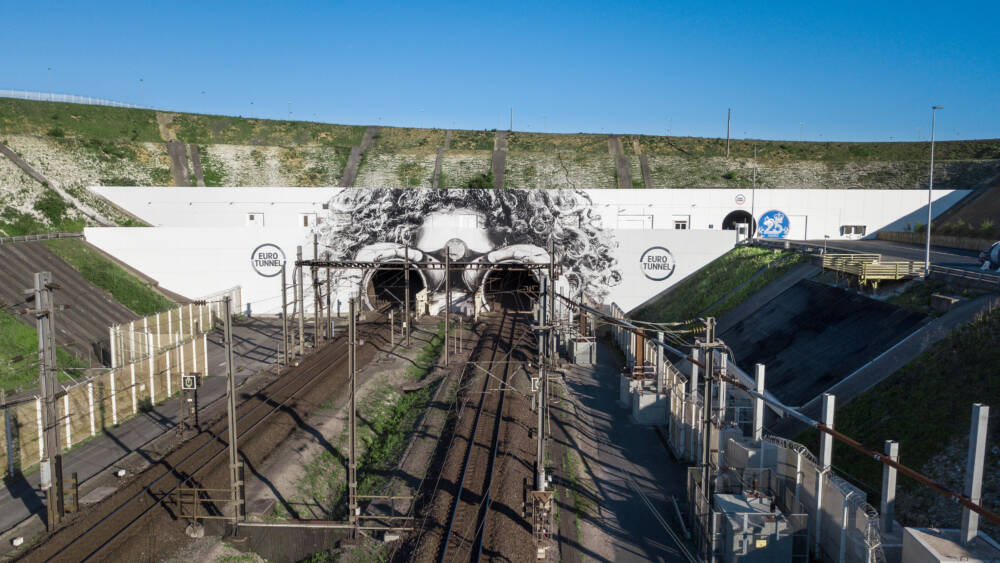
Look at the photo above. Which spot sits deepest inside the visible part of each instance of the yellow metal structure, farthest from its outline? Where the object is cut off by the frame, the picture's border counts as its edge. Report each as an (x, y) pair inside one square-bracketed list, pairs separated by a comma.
[(871, 269)]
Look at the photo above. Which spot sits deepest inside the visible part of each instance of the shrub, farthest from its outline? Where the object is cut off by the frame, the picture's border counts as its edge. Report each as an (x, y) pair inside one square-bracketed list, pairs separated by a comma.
[(56, 132)]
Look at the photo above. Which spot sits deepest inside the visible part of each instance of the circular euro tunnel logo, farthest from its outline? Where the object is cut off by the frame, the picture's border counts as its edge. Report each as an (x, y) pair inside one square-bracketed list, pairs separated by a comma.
[(657, 263), (267, 260)]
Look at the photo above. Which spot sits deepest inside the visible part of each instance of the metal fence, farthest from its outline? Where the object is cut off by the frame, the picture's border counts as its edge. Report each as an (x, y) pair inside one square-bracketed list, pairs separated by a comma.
[(35, 238), (66, 98), (138, 339), (99, 402)]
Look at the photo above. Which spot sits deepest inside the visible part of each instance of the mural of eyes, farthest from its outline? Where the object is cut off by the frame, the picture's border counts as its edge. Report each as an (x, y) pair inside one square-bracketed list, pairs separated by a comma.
[(358, 217)]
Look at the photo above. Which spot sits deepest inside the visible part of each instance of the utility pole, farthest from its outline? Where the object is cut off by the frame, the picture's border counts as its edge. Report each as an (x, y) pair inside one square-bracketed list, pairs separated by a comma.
[(235, 466), (352, 461), (706, 457), (447, 300), (541, 499), (329, 292), (406, 293), (316, 292), (284, 314), (51, 463), (729, 121), (552, 302), (301, 305)]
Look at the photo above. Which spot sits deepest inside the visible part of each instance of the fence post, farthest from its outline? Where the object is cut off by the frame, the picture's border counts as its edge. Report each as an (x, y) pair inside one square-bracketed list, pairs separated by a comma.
[(843, 528), (181, 348), (8, 435), (131, 341), (170, 390), (135, 407), (194, 354), (204, 349), (152, 371), (170, 326), (69, 435), (158, 332), (112, 337), (191, 318), (114, 398), (90, 402)]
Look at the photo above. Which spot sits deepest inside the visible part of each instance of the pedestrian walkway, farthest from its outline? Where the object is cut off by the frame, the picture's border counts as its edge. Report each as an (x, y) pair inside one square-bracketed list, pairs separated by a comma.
[(628, 469)]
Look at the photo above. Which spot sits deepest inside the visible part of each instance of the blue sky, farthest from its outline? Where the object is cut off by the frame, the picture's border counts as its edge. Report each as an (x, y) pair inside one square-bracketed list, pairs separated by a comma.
[(830, 71)]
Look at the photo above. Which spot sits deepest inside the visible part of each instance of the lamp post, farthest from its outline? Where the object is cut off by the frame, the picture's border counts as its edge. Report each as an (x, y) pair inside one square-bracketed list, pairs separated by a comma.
[(930, 188)]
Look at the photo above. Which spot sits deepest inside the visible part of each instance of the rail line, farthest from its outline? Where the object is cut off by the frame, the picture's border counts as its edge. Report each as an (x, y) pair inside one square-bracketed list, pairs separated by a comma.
[(172, 473), (461, 512)]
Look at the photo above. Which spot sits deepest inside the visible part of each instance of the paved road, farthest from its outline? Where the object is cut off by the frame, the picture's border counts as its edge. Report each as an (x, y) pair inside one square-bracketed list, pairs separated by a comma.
[(255, 350), (940, 256), (633, 472)]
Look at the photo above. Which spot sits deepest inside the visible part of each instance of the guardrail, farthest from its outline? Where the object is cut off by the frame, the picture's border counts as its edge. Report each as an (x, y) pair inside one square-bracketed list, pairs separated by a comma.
[(34, 238), (973, 277)]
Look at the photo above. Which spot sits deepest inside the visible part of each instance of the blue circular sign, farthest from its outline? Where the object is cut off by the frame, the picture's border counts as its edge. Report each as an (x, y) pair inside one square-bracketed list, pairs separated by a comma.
[(773, 224)]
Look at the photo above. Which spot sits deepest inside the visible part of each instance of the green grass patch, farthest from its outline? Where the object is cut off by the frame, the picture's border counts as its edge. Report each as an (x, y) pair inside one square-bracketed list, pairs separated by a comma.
[(105, 274), (710, 284), (60, 120), (19, 355), (53, 209), (924, 405), (775, 270), (917, 295)]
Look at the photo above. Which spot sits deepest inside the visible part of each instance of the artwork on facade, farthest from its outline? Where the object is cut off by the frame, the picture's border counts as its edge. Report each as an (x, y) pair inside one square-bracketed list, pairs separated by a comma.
[(479, 226), (773, 224)]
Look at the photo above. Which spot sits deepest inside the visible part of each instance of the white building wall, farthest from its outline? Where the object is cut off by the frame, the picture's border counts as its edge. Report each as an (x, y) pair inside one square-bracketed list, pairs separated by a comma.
[(202, 240), (813, 213)]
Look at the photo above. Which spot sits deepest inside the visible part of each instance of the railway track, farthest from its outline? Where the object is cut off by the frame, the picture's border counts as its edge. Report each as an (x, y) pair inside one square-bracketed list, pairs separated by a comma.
[(263, 419), (464, 528)]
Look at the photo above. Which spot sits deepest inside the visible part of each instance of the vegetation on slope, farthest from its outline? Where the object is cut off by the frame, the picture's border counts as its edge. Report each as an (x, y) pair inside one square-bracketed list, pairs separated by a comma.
[(719, 286), (926, 406), (105, 274), (19, 355), (54, 218)]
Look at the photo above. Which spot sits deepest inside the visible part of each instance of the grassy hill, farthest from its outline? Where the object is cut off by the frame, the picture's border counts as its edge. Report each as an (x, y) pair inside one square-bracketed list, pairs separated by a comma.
[(926, 406), (79, 145)]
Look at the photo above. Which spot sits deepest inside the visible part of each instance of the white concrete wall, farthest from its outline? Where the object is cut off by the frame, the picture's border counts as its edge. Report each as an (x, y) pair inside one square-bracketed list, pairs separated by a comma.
[(199, 261), (813, 213)]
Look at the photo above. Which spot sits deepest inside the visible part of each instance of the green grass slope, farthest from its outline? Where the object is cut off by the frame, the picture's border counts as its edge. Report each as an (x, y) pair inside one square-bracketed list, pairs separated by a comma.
[(926, 406), (105, 274), (720, 285), (19, 355)]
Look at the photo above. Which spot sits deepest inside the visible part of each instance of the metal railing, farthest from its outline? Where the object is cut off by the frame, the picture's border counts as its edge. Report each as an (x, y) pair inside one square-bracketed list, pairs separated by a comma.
[(977, 277), (65, 98), (870, 268), (34, 238)]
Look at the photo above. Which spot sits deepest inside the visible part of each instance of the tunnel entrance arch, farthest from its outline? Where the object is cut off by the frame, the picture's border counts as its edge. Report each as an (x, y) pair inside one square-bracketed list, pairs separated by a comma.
[(739, 217), (386, 286), (511, 288)]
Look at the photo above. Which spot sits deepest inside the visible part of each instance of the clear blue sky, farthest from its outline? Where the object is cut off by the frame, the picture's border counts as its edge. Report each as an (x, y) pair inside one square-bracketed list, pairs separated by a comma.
[(865, 71)]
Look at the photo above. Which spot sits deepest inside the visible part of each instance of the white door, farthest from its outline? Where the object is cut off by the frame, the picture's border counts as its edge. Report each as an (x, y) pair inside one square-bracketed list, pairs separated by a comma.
[(798, 227)]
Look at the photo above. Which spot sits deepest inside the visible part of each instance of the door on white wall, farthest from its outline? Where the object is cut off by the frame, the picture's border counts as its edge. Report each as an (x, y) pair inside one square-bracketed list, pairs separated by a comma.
[(635, 221), (798, 227)]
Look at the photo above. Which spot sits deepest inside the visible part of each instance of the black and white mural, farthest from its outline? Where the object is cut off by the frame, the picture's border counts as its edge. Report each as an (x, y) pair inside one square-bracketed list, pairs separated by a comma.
[(491, 226)]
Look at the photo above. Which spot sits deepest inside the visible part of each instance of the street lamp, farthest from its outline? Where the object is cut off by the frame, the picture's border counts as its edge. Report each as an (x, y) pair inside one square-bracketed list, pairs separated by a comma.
[(930, 187)]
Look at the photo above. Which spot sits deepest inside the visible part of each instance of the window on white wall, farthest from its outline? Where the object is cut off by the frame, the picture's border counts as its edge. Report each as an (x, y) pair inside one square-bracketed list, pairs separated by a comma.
[(635, 221), (681, 222), (853, 231), (307, 219), (255, 219)]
